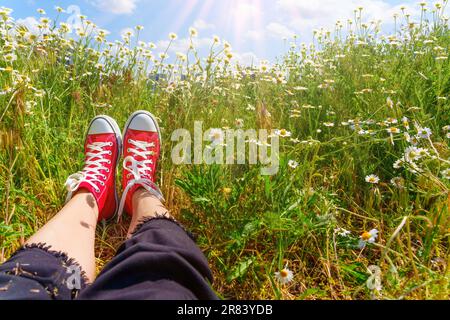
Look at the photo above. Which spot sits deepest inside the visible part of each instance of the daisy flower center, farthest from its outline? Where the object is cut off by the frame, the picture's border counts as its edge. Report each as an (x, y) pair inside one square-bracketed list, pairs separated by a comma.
[(284, 273), (366, 236), (216, 135)]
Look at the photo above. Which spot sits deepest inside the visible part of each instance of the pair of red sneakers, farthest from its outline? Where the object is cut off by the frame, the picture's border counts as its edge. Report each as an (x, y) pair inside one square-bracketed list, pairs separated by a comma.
[(141, 145)]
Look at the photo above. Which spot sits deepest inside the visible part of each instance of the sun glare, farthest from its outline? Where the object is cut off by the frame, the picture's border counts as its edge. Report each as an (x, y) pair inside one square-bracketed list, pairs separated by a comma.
[(240, 20)]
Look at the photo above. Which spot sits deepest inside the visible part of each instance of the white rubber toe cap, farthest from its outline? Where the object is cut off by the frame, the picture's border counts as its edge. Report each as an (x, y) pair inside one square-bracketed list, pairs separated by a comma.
[(143, 122), (99, 126)]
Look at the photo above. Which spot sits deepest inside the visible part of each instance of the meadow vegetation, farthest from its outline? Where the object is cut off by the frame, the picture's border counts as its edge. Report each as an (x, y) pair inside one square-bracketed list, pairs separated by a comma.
[(362, 192)]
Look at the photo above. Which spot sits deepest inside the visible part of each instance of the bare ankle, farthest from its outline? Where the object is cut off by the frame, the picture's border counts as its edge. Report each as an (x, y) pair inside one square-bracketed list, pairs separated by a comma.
[(146, 205)]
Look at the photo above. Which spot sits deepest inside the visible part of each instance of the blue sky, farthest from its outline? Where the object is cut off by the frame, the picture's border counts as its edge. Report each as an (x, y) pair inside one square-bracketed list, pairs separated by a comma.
[(255, 28)]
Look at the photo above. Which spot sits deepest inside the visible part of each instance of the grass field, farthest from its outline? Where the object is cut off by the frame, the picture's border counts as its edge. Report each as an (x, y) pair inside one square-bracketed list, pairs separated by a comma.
[(364, 125)]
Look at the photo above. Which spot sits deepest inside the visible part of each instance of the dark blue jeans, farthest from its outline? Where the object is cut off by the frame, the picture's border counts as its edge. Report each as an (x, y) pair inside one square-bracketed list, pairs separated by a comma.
[(160, 261)]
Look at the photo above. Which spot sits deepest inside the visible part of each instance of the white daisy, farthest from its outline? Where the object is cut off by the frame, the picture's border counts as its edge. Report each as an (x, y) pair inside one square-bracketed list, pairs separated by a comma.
[(10, 57), (393, 130), (193, 32), (424, 133), (342, 232), (284, 276), (371, 178), (398, 182), (399, 163), (405, 122), (423, 152), (293, 164), (391, 120), (446, 173), (412, 154), (239, 123), (216, 136), (283, 133), (363, 132), (367, 237)]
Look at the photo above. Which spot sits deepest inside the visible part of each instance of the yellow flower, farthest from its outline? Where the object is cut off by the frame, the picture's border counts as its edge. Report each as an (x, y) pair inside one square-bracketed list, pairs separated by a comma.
[(226, 191)]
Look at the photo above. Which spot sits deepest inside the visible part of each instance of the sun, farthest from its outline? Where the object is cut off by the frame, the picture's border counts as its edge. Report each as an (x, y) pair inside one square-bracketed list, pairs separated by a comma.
[(239, 22), (234, 15), (242, 16)]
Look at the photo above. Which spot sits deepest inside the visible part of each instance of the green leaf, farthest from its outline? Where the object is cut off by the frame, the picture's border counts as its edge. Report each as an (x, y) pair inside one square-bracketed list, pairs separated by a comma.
[(240, 269), (201, 199)]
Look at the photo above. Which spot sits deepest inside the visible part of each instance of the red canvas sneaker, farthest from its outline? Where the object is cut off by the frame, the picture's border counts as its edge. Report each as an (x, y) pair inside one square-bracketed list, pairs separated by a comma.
[(102, 149), (141, 150)]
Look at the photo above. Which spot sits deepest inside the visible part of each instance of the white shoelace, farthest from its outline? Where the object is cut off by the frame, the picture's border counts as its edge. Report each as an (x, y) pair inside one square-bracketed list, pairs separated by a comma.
[(92, 169), (137, 169)]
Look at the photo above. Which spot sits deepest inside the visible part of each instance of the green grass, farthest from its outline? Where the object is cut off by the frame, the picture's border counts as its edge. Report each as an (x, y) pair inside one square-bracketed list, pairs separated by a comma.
[(251, 226)]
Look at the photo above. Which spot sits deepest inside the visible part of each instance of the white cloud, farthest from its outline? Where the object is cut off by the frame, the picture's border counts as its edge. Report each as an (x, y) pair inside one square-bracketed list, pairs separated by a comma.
[(278, 30), (244, 11), (254, 35), (30, 23), (201, 24), (126, 31), (246, 58), (116, 6), (306, 15)]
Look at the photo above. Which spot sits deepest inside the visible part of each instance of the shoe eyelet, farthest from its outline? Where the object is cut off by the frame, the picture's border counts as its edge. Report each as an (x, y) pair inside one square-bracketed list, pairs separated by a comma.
[(129, 140), (109, 161), (110, 152), (110, 144), (128, 149), (107, 170), (97, 190), (102, 183)]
